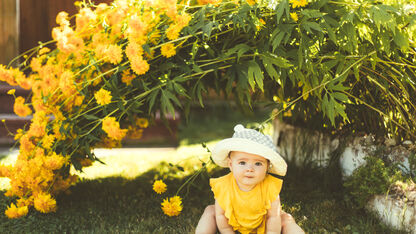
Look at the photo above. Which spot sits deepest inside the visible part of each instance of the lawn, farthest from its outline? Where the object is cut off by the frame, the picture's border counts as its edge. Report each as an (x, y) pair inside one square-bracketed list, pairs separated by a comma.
[(118, 198)]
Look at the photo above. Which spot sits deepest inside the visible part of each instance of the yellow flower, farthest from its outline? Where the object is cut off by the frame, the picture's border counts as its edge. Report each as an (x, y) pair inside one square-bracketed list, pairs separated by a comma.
[(19, 134), (183, 20), (171, 11), (172, 206), (37, 128), (135, 133), (173, 31), (159, 186), (62, 18), (15, 212), (294, 16), (44, 203), (112, 128), (133, 51), (20, 108), (109, 53), (6, 75), (66, 83), (26, 144), (168, 50), (54, 161), (137, 29), (127, 77), (84, 18), (86, 162), (213, 2), (25, 202), (103, 97), (142, 122), (298, 3), (251, 2), (44, 50), (5, 171), (139, 66), (114, 53), (22, 80), (11, 91)]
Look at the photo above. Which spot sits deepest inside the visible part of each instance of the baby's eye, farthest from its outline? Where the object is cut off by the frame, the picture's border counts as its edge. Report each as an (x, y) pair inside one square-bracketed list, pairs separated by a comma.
[(242, 163), (259, 164)]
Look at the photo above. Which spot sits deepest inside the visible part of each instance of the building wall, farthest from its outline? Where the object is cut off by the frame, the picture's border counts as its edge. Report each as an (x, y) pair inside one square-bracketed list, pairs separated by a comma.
[(9, 33)]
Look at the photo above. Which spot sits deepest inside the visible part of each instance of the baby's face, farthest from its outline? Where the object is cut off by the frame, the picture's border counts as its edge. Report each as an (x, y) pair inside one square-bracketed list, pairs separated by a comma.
[(248, 169)]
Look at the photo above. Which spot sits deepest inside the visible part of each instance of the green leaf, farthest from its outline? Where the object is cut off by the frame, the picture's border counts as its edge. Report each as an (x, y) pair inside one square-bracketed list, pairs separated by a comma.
[(379, 16), (331, 33), (196, 68), (195, 48), (152, 98), (230, 74), (340, 96), (255, 75), (268, 65), (276, 60), (120, 105), (312, 25), (180, 89), (207, 29), (277, 40), (173, 98), (331, 110), (341, 110), (311, 13), (401, 40), (240, 49), (198, 89), (77, 165), (328, 65), (282, 7), (90, 117), (166, 104)]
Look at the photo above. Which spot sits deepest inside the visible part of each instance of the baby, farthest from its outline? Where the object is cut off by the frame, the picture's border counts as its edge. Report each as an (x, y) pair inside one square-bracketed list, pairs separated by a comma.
[(247, 199)]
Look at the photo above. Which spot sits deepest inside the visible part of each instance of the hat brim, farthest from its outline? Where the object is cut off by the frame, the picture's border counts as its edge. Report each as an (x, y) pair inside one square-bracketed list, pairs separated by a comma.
[(222, 149)]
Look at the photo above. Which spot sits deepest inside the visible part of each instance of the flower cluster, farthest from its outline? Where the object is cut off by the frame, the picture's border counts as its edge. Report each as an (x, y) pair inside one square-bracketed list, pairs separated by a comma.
[(87, 92), (296, 4), (171, 206)]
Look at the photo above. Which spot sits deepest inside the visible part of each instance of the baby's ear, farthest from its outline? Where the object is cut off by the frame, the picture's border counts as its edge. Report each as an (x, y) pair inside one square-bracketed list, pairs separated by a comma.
[(229, 163)]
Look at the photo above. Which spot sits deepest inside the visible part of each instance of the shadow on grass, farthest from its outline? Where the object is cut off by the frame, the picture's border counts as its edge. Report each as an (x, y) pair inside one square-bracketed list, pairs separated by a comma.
[(117, 205), (120, 205)]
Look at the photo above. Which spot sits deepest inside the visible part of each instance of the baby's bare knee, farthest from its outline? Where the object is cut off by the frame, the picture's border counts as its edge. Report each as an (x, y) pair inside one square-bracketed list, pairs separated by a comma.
[(210, 210), (286, 218)]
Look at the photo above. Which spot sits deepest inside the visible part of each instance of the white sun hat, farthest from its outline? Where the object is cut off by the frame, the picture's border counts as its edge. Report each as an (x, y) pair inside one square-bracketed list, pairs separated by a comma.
[(249, 141)]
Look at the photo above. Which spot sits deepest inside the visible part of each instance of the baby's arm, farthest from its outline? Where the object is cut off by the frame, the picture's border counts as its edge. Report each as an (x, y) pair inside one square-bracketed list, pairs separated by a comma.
[(273, 222), (222, 221)]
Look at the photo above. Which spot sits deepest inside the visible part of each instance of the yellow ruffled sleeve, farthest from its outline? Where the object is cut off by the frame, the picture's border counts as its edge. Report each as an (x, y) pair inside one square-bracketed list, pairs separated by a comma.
[(220, 187), (273, 186), (223, 189)]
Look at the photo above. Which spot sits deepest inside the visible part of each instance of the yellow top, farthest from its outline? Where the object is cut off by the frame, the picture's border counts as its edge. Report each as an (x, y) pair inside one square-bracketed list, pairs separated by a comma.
[(246, 211)]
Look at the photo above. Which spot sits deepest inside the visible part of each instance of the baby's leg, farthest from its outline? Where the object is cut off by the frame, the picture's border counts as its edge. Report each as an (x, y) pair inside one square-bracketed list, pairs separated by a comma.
[(289, 225), (207, 223)]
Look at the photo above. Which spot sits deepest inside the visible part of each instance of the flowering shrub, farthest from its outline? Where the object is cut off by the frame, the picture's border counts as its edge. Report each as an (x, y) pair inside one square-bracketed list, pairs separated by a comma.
[(121, 64)]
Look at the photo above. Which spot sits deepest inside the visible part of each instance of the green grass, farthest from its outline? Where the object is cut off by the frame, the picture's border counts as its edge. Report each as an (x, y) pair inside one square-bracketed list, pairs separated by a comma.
[(118, 197)]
